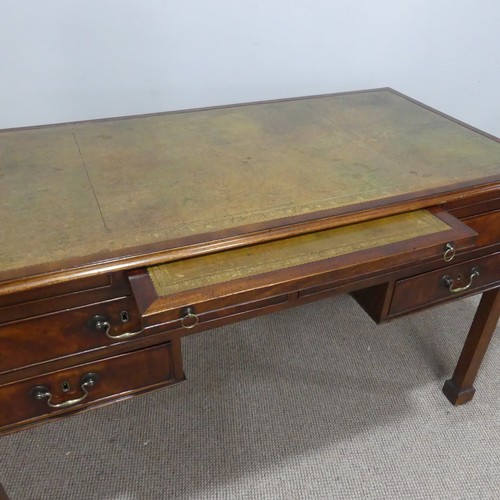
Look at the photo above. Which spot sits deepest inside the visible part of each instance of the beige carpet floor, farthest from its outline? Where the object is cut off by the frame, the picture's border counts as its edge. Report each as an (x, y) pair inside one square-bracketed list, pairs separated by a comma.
[(312, 402)]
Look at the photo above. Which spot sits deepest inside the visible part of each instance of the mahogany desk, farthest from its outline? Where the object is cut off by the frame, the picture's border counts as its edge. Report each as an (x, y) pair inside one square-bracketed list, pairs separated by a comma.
[(119, 237)]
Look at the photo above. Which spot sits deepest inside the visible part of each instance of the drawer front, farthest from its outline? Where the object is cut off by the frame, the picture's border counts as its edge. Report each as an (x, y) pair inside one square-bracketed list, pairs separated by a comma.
[(55, 292), (49, 299), (36, 340), (87, 384), (445, 284), (198, 317), (183, 293), (487, 226), (466, 207)]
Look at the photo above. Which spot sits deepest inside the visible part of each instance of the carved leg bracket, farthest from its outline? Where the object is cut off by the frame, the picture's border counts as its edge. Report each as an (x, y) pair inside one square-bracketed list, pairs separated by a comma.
[(459, 388)]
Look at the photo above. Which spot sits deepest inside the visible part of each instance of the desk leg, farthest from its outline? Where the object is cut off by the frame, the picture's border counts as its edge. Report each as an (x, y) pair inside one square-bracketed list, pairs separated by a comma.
[(459, 388), (3, 495)]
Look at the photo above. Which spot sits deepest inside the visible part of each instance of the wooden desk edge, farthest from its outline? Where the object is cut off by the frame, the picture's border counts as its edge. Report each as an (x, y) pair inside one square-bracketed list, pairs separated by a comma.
[(168, 251)]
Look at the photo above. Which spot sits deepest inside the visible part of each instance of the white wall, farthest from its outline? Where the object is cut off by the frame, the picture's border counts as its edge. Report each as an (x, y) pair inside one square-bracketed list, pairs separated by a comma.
[(65, 60)]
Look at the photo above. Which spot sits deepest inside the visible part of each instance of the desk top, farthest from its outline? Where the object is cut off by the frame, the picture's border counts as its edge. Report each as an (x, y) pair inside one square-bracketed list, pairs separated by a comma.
[(110, 191)]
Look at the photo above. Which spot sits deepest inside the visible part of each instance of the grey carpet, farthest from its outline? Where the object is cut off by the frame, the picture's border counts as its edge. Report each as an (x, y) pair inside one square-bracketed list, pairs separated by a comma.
[(312, 402)]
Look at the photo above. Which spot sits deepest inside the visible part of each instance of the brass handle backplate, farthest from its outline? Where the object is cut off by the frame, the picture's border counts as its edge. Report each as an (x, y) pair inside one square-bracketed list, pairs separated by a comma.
[(101, 323), (449, 282), (43, 392)]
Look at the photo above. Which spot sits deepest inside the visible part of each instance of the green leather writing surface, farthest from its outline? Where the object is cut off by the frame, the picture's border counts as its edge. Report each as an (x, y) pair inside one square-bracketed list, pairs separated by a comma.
[(77, 190), (243, 262)]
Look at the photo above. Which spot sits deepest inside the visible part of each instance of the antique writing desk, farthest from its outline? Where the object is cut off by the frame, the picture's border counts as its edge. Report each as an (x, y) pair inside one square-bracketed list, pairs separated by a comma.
[(119, 237)]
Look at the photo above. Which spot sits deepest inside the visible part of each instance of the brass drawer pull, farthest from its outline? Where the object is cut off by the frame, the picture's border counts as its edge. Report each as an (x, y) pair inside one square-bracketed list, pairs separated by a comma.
[(189, 315), (100, 322), (449, 252), (448, 282), (42, 392)]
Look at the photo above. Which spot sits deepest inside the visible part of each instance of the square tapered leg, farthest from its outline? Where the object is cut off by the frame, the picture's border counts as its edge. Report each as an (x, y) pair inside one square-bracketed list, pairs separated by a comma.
[(459, 388)]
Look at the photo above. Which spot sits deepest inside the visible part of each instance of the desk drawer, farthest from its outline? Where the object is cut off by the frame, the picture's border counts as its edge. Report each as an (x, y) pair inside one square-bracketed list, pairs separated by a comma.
[(206, 314), (445, 284), (186, 293), (52, 336), (487, 226), (88, 384)]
